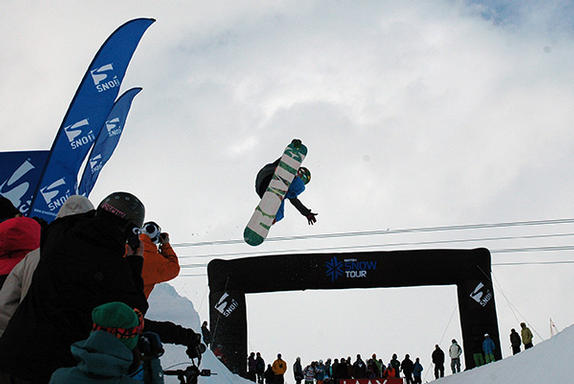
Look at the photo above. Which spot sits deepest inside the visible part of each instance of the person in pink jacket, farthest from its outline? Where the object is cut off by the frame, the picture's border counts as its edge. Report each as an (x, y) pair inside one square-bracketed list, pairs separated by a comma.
[(18, 281), (18, 236)]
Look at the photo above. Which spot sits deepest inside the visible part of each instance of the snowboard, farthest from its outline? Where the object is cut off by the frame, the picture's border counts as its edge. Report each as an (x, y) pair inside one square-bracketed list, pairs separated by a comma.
[(258, 227)]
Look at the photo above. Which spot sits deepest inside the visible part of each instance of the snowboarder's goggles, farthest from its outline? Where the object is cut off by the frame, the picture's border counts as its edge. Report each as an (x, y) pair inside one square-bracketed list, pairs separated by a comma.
[(123, 333), (304, 174)]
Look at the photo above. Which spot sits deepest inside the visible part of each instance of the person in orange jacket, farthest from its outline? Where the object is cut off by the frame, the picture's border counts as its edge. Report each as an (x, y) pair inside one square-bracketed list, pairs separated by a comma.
[(389, 372), (159, 264)]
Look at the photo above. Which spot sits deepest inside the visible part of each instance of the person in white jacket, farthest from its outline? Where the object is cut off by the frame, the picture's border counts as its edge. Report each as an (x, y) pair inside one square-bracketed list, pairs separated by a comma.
[(454, 352), (18, 281)]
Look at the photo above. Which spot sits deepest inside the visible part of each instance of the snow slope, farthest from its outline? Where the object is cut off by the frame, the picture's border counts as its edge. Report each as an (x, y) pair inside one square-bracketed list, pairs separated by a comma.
[(167, 304), (547, 362)]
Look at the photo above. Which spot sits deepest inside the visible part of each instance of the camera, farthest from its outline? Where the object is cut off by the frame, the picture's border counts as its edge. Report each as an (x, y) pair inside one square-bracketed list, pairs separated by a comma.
[(133, 239), (149, 345)]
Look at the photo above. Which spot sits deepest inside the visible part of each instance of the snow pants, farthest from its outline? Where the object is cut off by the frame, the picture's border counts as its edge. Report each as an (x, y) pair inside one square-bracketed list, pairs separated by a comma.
[(455, 365)]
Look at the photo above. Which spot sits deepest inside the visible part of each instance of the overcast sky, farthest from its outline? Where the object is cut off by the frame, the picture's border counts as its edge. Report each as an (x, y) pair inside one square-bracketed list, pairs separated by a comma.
[(415, 114)]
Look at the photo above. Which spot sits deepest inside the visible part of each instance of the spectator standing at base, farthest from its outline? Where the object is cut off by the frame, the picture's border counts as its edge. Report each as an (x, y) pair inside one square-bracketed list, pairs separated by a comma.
[(309, 374), (349, 367), (526, 336), (515, 341), (320, 372), (407, 368), (269, 375), (395, 364), (417, 371), (454, 352), (279, 369), (251, 367), (378, 365), (259, 368), (488, 348), (207, 335), (298, 371), (389, 372), (438, 361), (335, 371), (328, 371), (359, 368)]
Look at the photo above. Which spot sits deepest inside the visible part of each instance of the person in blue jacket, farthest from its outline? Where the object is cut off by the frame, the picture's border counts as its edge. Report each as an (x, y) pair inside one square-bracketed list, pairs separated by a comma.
[(296, 187), (417, 371), (488, 348)]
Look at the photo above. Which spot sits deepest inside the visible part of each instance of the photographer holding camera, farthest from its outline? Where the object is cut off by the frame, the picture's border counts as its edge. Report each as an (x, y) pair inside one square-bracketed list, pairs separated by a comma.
[(160, 264)]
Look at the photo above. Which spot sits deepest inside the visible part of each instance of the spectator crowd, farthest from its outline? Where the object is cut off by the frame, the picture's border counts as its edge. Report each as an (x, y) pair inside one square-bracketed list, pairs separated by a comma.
[(331, 371), (74, 294)]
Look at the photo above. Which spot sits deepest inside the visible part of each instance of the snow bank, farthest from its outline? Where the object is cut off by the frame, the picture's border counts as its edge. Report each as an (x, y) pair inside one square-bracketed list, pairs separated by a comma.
[(167, 304)]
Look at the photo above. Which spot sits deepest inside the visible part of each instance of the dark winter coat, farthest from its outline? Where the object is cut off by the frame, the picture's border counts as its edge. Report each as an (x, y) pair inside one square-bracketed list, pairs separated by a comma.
[(207, 336), (269, 375), (81, 266), (515, 339), (417, 369), (488, 346), (438, 356), (102, 358), (396, 365), (359, 369), (342, 370), (298, 370), (407, 366), (259, 365)]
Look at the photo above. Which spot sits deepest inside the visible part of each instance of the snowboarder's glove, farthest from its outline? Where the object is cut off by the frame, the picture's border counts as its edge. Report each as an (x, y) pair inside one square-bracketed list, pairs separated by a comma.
[(311, 218)]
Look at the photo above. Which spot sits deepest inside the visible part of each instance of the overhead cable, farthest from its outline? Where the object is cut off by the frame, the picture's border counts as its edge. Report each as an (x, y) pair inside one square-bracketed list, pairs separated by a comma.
[(388, 232)]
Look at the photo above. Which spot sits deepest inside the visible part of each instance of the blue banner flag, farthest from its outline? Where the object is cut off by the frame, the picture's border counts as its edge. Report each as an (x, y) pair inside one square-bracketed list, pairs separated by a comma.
[(19, 176), (107, 141), (85, 118)]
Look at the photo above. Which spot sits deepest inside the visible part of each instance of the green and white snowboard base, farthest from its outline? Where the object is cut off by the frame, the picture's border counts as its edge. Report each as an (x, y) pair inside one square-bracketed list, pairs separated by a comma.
[(262, 219)]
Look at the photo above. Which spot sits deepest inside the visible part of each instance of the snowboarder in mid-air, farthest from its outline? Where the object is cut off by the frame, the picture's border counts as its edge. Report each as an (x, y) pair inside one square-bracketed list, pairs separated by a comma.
[(296, 187)]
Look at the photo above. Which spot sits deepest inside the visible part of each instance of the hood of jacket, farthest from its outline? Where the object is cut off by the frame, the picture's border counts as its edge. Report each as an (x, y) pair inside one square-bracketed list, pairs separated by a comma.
[(74, 205), (19, 234), (102, 354)]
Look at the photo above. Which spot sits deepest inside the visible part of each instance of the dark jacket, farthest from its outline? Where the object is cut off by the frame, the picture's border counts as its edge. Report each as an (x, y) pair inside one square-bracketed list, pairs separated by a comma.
[(407, 366), (81, 266), (417, 369), (259, 365), (396, 365), (515, 339), (206, 335), (298, 370), (359, 369), (269, 375), (438, 356)]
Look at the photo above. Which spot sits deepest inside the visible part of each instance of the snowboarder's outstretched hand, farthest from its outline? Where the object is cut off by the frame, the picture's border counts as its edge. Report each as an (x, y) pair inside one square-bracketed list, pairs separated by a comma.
[(311, 219)]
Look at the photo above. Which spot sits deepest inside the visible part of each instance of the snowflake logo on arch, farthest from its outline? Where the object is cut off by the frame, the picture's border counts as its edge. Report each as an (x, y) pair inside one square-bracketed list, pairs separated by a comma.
[(334, 268)]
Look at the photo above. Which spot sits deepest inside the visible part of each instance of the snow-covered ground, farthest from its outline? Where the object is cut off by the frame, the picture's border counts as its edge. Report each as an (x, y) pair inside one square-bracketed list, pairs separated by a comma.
[(547, 362)]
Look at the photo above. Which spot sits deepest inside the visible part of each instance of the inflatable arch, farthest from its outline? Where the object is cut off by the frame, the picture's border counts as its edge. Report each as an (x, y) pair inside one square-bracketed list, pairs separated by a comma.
[(231, 280)]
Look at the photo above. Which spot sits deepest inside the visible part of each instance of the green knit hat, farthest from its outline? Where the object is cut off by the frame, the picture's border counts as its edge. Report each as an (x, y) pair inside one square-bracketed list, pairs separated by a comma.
[(120, 320)]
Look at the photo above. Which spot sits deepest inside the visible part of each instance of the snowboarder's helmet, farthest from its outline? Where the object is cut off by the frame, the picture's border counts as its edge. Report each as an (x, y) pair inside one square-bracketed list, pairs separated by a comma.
[(152, 230), (124, 205), (304, 174)]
